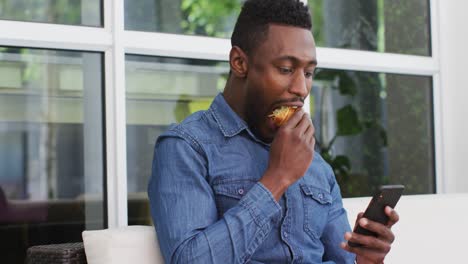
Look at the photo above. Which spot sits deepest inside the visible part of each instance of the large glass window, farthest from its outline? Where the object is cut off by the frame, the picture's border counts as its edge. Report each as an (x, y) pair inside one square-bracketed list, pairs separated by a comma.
[(199, 17), (51, 148), (395, 26), (374, 25), (161, 91), (71, 12), (375, 128)]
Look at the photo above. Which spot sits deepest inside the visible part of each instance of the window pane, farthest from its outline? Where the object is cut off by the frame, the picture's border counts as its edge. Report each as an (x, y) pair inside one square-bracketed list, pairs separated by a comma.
[(376, 25), (199, 17), (70, 12), (51, 148), (161, 91), (375, 129)]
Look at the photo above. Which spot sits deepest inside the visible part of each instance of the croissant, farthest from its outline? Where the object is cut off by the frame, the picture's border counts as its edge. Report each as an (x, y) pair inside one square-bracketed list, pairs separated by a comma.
[(282, 114)]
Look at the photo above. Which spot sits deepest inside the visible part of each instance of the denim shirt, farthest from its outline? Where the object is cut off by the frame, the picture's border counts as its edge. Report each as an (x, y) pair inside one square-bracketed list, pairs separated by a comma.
[(208, 205)]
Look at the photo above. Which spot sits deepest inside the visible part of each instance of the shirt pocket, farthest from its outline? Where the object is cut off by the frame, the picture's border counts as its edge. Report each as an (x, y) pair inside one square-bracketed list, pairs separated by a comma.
[(317, 203), (228, 193)]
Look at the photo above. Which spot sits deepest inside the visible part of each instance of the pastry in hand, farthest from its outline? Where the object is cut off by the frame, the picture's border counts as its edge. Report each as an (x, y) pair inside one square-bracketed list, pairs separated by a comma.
[(282, 114)]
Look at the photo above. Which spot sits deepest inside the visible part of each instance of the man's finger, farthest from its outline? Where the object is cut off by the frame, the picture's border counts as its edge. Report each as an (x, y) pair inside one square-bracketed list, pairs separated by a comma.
[(393, 216), (304, 124), (383, 232), (369, 242), (310, 131), (369, 254), (359, 216), (294, 120)]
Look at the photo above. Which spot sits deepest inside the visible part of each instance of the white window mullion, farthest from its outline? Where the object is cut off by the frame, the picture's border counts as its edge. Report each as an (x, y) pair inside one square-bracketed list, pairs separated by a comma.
[(162, 44), (172, 45), (438, 135), (332, 58), (435, 26), (53, 36), (437, 100), (116, 116)]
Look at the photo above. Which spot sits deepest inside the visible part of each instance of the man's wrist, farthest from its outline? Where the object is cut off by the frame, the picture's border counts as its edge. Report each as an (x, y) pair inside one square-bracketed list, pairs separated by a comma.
[(275, 184)]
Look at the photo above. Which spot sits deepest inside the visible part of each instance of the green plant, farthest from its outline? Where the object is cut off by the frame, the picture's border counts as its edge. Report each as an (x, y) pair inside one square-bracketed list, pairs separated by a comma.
[(349, 122), (209, 17)]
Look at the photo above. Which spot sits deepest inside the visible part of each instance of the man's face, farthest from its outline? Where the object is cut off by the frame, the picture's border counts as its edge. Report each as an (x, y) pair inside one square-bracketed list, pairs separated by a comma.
[(280, 73)]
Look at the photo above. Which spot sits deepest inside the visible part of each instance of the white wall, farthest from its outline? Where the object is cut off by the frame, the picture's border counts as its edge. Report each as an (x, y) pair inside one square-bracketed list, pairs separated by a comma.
[(454, 93)]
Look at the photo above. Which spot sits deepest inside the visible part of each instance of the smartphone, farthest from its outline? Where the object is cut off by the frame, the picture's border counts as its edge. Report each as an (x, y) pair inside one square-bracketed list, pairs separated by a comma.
[(387, 195)]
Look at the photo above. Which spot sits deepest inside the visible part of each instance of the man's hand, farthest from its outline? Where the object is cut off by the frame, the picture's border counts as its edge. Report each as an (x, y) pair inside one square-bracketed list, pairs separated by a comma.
[(291, 153), (373, 249)]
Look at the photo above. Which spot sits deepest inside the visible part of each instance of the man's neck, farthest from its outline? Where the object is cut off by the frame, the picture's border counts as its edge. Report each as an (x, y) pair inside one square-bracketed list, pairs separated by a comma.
[(233, 94)]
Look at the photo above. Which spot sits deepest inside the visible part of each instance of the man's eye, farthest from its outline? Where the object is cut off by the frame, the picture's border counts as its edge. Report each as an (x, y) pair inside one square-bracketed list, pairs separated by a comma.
[(310, 74), (285, 70)]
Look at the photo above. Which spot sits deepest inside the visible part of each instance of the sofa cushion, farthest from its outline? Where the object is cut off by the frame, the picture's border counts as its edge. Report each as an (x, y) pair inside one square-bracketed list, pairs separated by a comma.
[(432, 228), (131, 244)]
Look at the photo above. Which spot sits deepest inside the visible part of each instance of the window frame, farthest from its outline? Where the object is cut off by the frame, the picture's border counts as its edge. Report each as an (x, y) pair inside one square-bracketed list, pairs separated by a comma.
[(114, 42)]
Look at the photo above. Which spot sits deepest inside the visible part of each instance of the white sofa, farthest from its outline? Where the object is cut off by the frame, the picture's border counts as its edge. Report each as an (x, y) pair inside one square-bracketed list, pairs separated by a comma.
[(432, 229)]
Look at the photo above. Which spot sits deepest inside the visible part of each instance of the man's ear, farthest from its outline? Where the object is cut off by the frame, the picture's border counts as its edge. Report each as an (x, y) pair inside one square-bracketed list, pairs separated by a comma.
[(238, 61)]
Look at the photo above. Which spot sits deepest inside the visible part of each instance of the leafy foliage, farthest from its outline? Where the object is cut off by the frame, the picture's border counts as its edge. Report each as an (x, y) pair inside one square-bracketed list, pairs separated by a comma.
[(350, 122), (209, 18)]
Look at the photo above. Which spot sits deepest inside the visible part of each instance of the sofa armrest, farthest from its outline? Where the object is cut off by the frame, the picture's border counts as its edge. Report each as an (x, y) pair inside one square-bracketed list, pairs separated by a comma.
[(123, 245), (67, 253)]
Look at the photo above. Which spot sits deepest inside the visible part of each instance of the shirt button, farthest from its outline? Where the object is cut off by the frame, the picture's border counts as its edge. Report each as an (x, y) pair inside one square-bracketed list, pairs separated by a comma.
[(320, 196), (240, 191), (285, 234)]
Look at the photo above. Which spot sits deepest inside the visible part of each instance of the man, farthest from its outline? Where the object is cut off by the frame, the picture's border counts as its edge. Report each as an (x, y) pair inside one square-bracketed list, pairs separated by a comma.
[(229, 186)]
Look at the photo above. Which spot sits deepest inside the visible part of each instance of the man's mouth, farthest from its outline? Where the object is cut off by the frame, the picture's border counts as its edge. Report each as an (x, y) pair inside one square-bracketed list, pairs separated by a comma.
[(297, 104)]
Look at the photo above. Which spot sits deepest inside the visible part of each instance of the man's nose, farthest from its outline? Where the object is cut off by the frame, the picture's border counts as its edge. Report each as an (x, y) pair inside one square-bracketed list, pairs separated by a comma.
[(300, 86)]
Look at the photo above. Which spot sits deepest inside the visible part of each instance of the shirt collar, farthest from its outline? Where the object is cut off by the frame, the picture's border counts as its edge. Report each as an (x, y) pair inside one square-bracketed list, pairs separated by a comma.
[(228, 121)]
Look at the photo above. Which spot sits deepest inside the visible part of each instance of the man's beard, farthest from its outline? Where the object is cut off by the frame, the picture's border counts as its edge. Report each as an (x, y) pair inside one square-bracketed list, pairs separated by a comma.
[(255, 115)]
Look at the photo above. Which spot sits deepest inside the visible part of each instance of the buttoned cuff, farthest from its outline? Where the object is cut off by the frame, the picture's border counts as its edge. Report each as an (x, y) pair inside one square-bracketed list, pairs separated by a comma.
[(261, 205)]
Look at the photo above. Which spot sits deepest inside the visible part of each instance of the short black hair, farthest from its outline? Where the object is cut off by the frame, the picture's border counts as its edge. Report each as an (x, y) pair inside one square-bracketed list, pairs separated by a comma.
[(252, 24)]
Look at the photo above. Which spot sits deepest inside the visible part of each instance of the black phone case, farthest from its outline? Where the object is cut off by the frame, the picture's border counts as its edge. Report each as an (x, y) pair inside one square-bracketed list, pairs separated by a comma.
[(388, 195)]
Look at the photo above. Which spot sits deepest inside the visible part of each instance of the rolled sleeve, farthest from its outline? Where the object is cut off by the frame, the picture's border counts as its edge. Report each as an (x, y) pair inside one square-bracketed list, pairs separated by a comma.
[(262, 205)]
